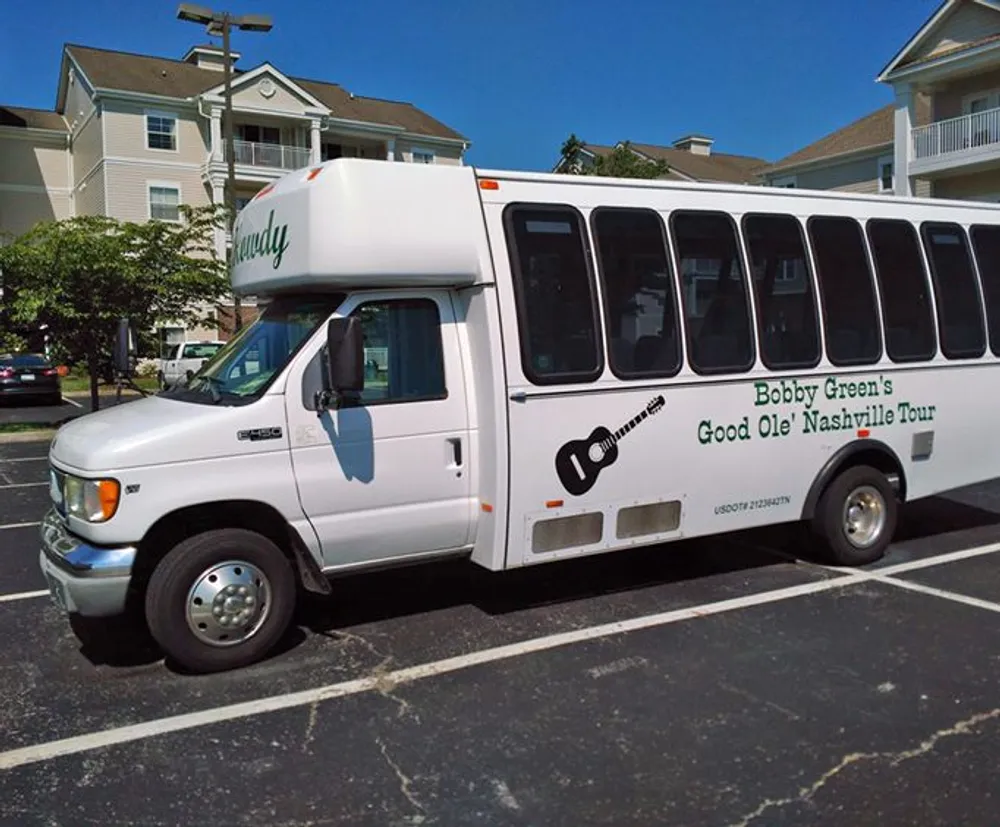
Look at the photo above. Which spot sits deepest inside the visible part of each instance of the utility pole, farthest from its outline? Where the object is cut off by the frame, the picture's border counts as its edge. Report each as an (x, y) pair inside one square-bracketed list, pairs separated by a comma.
[(217, 23)]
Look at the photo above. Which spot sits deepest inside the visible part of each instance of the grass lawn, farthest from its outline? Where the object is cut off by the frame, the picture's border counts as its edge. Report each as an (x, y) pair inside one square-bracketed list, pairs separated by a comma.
[(23, 427), (76, 384)]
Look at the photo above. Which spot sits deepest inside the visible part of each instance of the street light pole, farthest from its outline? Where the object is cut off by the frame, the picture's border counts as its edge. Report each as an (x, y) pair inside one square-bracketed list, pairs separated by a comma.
[(230, 191), (221, 23)]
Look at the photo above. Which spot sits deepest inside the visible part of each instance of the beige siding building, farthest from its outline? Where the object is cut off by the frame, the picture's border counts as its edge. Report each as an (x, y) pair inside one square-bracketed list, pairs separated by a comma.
[(940, 137), (134, 136)]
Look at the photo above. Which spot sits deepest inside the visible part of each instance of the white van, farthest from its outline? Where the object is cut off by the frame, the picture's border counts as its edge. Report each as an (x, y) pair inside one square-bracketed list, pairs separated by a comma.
[(523, 368)]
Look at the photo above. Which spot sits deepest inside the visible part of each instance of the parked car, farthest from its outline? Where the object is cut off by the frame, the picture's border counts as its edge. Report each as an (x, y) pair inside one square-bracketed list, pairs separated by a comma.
[(181, 358), (29, 375)]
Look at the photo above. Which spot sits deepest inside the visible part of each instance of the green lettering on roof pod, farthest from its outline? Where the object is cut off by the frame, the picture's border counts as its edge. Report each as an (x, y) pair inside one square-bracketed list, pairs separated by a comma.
[(272, 241)]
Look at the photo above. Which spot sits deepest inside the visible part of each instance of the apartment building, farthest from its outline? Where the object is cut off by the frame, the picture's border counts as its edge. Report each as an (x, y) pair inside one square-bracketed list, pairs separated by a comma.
[(690, 158), (939, 136), (134, 136)]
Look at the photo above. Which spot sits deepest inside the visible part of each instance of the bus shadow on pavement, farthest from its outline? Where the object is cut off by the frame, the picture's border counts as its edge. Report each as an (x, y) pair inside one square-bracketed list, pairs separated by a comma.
[(434, 587)]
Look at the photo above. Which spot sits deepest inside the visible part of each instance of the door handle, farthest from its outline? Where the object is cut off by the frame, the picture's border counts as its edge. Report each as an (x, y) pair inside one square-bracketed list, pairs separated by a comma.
[(456, 450)]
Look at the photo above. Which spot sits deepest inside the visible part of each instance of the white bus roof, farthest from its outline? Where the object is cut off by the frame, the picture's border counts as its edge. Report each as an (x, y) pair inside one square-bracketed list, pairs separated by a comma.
[(351, 222)]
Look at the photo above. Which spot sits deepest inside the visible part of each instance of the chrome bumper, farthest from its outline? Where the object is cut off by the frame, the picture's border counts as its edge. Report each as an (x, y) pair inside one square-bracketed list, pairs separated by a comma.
[(84, 579)]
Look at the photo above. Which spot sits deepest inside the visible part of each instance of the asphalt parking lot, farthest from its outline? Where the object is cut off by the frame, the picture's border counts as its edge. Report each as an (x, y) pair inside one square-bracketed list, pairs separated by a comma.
[(727, 681), (24, 410)]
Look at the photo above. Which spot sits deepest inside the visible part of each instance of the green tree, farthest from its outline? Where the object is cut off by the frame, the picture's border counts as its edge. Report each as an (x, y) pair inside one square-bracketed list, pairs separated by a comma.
[(80, 275), (621, 162)]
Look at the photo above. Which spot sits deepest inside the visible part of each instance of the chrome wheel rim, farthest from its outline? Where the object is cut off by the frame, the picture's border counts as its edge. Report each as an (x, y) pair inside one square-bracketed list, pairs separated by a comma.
[(228, 603), (864, 516)]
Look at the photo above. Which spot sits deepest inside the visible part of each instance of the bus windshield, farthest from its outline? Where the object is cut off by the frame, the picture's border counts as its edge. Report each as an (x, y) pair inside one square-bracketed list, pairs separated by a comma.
[(242, 370)]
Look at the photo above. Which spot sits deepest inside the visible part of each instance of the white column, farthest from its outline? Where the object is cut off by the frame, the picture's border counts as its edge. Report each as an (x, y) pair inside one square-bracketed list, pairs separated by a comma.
[(903, 141), (390, 149), (314, 143), (216, 134), (219, 197)]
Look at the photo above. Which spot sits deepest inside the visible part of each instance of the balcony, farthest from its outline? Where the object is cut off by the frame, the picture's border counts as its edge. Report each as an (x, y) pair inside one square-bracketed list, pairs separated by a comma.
[(268, 156), (956, 143)]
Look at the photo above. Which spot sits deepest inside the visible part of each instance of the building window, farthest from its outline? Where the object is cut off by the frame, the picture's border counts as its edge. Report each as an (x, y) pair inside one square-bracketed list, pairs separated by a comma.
[(161, 131), (423, 156), (164, 202), (886, 180), (786, 182)]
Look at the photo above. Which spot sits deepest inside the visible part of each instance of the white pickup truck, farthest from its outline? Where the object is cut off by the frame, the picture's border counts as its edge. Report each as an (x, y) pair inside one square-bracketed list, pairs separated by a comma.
[(184, 357)]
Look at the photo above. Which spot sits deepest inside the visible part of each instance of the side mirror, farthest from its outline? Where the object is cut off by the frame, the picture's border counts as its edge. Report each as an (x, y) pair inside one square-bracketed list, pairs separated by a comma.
[(345, 368), (123, 349)]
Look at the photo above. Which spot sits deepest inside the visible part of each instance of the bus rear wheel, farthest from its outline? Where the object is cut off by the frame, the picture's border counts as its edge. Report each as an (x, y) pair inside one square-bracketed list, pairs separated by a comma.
[(220, 600), (856, 517)]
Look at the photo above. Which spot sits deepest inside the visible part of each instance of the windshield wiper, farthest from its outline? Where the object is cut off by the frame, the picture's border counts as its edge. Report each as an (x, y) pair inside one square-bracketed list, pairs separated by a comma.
[(214, 383)]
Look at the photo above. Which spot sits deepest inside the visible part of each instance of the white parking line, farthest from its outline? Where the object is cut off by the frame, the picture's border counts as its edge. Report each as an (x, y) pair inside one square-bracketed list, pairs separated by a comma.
[(18, 525), (888, 574), (10, 598), (162, 726), (24, 459), (72, 402), (23, 485)]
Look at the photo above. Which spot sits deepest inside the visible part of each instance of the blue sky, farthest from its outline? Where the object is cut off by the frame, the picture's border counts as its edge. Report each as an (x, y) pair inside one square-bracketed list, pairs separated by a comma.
[(762, 77)]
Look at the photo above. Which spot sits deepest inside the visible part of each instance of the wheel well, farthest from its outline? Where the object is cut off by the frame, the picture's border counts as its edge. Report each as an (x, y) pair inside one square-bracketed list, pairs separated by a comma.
[(178, 525), (861, 452)]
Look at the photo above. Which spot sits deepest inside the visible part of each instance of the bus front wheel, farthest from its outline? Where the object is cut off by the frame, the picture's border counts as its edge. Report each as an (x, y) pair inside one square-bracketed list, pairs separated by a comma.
[(220, 600), (856, 517)]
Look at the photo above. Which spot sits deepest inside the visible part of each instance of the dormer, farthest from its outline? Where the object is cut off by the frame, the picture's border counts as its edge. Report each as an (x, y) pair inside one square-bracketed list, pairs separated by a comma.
[(695, 144), (209, 56)]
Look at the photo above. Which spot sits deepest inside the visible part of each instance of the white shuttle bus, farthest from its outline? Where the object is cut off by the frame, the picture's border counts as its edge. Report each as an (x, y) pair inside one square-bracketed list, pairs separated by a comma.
[(524, 368)]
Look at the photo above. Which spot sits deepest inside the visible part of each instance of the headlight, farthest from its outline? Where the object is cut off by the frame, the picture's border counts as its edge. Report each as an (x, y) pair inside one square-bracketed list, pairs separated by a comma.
[(95, 501)]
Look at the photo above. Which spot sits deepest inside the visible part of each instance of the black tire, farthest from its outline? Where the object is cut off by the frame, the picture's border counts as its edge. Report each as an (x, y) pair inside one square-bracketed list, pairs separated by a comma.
[(175, 576), (830, 525)]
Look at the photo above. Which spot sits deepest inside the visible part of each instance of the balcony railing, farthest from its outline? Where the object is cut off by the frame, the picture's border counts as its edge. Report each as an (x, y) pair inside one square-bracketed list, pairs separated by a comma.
[(275, 156), (963, 134)]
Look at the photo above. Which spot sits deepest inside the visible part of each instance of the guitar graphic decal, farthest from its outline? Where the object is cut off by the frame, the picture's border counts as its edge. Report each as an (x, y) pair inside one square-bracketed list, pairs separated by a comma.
[(580, 462)]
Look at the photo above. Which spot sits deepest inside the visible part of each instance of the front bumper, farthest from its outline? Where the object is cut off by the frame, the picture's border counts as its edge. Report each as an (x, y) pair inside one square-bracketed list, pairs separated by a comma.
[(83, 578)]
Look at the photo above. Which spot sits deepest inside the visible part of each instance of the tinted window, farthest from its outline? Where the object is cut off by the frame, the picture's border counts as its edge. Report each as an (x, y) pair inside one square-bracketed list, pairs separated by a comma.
[(960, 317), (639, 299), (200, 351), (986, 243), (847, 292), (404, 359), (713, 290), (27, 360), (906, 301), (554, 291), (783, 291)]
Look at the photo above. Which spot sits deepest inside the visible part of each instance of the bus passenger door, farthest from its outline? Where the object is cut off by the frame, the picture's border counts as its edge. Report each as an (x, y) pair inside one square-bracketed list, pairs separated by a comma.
[(390, 476)]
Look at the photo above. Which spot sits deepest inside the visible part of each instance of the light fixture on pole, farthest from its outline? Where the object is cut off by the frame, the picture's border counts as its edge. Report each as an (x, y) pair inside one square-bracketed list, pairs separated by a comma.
[(216, 24)]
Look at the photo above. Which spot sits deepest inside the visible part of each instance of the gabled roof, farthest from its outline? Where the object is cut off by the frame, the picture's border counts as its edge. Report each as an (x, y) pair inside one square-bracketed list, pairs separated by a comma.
[(259, 71), (22, 118), (689, 166), (874, 132), (733, 169), (147, 74), (910, 55)]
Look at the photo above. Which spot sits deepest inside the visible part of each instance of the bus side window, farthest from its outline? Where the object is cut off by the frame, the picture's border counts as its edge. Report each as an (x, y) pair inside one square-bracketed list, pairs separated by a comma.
[(986, 243), (960, 316), (638, 290), (554, 292), (716, 306), (786, 310), (847, 291), (906, 299)]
